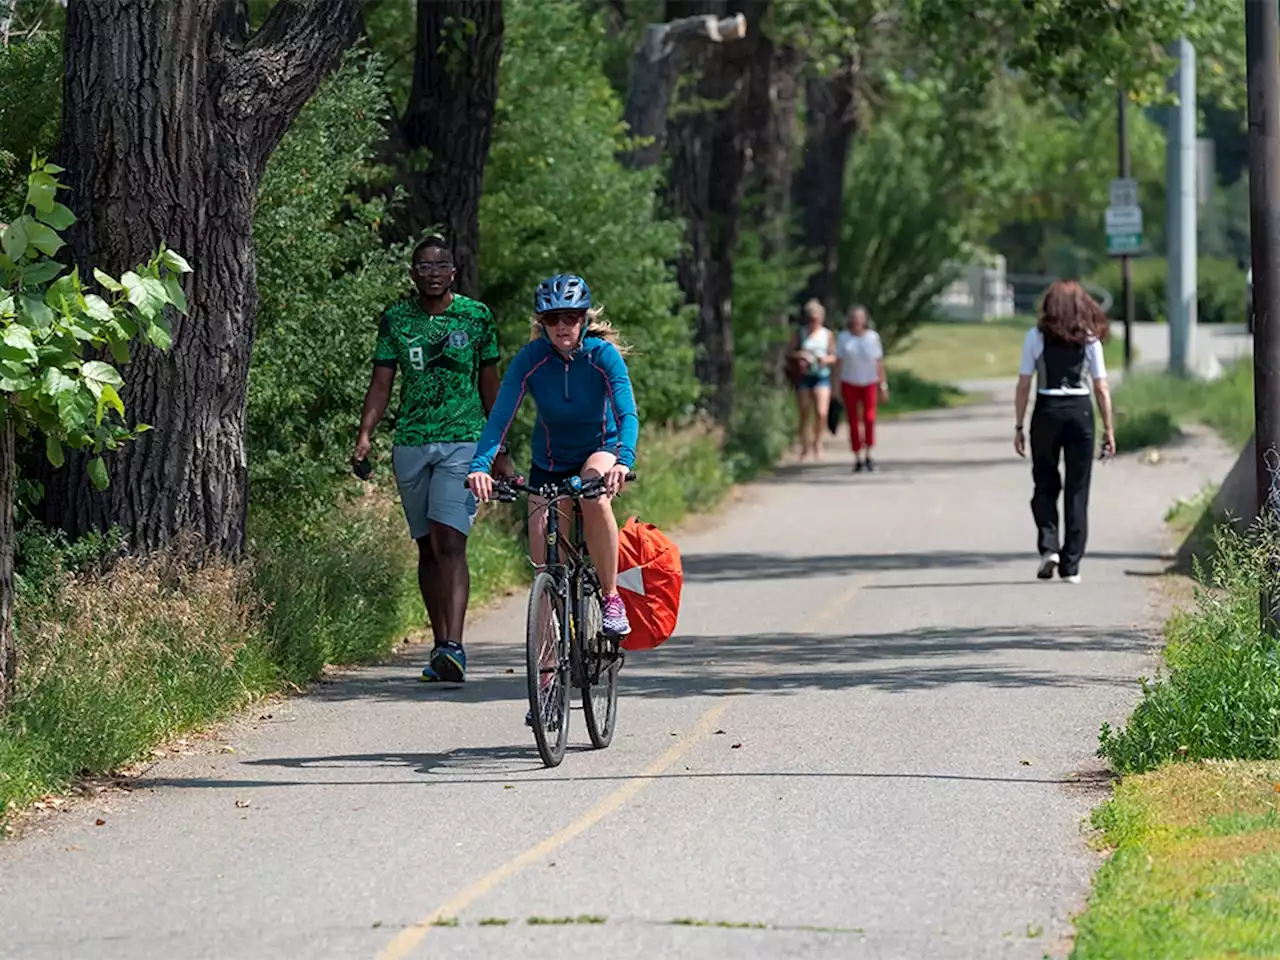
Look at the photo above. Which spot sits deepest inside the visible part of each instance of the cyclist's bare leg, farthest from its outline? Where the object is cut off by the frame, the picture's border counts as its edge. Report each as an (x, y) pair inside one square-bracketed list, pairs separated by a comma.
[(601, 527), (538, 527)]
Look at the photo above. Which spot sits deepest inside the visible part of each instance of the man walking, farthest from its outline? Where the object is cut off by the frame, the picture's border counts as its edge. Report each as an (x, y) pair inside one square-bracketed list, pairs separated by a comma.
[(446, 346)]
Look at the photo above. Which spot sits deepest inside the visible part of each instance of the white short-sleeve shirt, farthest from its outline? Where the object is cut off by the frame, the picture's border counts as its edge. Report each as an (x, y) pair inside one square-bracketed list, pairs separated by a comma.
[(858, 356), (1033, 350)]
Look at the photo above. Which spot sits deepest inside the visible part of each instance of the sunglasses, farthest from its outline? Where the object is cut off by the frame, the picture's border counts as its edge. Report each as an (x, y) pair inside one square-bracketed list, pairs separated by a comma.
[(442, 266), (560, 319)]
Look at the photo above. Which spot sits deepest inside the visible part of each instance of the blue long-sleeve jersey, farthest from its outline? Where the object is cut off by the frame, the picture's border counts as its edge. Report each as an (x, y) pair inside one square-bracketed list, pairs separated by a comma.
[(584, 405)]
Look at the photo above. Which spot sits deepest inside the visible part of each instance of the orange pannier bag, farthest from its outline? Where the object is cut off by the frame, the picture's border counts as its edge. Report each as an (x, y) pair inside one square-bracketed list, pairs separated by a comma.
[(650, 578)]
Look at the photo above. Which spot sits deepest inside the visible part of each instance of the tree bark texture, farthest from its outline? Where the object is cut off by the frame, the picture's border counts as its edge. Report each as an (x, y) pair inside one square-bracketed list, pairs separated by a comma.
[(709, 140), (664, 52), (8, 645), (171, 112), (450, 116), (831, 120)]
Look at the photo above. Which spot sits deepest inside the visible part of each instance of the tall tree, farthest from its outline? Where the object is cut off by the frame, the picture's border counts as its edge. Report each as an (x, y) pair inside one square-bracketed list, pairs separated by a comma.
[(709, 137), (449, 117), (171, 110)]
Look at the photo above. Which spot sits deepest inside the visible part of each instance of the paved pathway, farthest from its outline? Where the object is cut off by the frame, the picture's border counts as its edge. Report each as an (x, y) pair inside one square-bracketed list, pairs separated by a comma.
[(874, 736)]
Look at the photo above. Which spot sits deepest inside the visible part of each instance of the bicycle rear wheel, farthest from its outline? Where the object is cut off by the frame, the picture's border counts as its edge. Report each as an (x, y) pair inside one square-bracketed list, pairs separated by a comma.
[(548, 669), (598, 667)]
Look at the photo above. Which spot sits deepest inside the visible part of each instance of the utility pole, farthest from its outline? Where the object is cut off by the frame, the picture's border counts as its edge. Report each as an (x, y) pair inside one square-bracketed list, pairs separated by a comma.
[(1262, 52), (1180, 184), (1126, 265)]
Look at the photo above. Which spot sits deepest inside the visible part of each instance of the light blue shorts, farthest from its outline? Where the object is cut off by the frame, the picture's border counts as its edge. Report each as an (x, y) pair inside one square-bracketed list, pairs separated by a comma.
[(432, 480)]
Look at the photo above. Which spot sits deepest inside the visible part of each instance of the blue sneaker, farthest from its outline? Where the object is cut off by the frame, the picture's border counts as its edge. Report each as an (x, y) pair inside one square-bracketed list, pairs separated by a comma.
[(448, 664)]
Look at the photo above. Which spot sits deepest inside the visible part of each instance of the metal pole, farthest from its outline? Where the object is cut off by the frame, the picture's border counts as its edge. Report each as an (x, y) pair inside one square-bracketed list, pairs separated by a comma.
[(1180, 190), (1262, 53), (1126, 267)]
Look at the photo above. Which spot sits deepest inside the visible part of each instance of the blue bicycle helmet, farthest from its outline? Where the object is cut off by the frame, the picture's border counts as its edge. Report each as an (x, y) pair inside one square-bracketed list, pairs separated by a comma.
[(564, 291)]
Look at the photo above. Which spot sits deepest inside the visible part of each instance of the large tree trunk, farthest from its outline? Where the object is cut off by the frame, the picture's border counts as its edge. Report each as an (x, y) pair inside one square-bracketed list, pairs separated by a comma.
[(8, 483), (171, 112), (450, 116), (830, 122), (708, 170), (664, 52), (774, 108)]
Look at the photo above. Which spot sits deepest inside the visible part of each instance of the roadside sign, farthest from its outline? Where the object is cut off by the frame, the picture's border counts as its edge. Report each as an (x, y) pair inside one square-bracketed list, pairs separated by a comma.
[(1124, 192), (1124, 219)]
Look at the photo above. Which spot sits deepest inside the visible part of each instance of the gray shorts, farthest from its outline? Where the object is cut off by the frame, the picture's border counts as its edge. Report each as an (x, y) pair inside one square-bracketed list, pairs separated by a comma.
[(432, 481)]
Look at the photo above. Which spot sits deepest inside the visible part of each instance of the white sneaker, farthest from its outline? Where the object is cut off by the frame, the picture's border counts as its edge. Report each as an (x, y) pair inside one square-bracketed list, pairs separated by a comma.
[(1074, 578), (1048, 564)]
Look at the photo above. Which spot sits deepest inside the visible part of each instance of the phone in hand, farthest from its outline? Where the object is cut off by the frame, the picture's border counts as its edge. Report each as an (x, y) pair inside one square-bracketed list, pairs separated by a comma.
[(363, 469)]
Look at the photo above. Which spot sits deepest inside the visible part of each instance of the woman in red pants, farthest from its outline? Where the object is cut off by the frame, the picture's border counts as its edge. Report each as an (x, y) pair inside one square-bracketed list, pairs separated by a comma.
[(860, 360)]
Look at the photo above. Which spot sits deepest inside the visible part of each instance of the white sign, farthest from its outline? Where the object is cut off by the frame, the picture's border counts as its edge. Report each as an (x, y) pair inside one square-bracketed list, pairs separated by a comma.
[(1124, 192), (1124, 219)]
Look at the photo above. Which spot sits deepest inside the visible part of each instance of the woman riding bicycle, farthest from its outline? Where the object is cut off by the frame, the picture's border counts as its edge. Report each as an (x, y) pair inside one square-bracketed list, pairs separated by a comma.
[(586, 425)]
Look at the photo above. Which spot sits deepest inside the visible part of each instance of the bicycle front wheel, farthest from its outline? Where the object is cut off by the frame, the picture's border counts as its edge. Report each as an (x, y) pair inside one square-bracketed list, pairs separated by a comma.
[(548, 669), (599, 671)]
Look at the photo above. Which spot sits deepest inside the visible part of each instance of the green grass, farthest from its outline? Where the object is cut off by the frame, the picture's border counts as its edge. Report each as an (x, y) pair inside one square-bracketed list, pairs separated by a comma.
[(1150, 408), (1195, 871), (909, 393), (949, 352), (1185, 515)]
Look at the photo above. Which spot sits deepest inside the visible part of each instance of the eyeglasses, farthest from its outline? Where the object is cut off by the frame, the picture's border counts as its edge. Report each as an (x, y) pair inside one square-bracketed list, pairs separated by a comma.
[(559, 319), (432, 266)]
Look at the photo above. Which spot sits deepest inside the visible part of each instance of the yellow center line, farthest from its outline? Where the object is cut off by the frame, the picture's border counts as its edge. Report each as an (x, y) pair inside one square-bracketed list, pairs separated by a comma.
[(408, 939)]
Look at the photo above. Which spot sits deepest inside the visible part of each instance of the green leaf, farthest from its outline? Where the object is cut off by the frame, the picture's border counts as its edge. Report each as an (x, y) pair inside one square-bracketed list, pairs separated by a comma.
[(14, 239), (53, 450), (174, 261), (106, 281), (56, 383), (175, 294), (97, 308), (43, 238), (159, 335), (59, 217), (146, 293), (120, 351), (40, 273), (109, 398), (98, 473), (101, 372), (39, 313), (75, 407), (7, 307), (18, 345), (42, 189)]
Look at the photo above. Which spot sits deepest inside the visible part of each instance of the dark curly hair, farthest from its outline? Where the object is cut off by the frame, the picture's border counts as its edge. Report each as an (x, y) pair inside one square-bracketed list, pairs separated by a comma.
[(1068, 313)]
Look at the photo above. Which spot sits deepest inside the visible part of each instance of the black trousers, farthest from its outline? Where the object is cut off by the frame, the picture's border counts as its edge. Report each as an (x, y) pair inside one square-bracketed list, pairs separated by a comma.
[(1062, 428)]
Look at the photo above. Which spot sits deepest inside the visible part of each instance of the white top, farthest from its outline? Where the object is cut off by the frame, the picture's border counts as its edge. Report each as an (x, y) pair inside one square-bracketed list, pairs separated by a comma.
[(858, 356), (818, 345), (1033, 349)]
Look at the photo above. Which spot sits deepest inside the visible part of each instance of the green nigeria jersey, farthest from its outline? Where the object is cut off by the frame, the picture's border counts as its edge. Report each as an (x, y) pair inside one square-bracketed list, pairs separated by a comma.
[(439, 356)]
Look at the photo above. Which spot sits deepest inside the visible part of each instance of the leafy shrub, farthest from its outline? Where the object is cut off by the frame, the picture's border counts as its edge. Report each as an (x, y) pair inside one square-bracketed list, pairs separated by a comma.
[(337, 590), (1220, 290), (30, 112), (557, 199), (324, 277), (1220, 696)]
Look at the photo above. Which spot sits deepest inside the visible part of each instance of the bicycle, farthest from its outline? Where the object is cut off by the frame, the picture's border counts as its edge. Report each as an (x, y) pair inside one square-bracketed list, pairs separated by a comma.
[(567, 651)]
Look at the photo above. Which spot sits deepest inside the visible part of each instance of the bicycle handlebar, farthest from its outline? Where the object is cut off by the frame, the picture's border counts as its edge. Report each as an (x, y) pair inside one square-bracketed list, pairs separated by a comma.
[(507, 491)]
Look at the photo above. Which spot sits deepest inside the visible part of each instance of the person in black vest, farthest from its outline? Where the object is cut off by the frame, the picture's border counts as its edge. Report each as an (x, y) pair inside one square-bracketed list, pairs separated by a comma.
[(1065, 344)]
